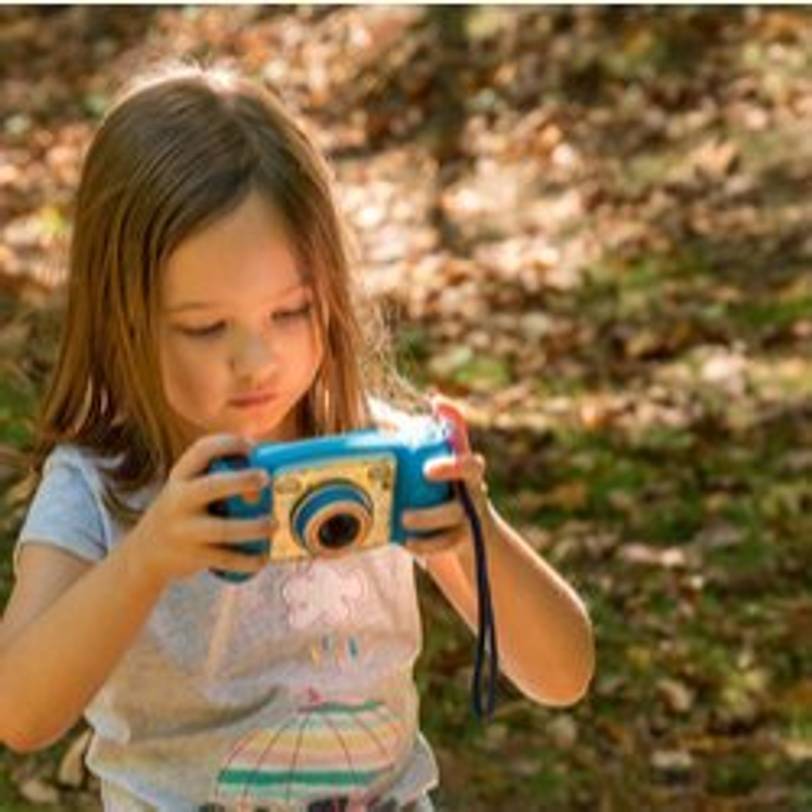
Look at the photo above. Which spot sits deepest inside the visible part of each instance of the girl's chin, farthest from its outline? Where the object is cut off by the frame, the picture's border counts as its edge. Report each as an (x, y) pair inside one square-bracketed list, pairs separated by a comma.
[(261, 431)]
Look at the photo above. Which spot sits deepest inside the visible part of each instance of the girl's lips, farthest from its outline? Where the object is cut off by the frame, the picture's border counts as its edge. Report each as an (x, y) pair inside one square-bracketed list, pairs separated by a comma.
[(252, 400)]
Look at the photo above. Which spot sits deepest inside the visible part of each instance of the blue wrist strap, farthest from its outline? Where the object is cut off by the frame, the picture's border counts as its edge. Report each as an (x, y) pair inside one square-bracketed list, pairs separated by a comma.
[(486, 637)]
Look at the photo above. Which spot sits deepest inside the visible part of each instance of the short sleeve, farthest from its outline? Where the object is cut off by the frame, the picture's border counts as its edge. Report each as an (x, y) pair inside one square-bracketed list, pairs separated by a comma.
[(65, 510)]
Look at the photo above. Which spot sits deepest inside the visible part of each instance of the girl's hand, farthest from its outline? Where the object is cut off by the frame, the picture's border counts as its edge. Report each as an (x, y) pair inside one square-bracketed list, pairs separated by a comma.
[(177, 536), (449, 518)]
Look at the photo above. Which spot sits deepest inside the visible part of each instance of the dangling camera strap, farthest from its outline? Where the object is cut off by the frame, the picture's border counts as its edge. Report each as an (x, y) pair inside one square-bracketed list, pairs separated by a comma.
[(482, 704)]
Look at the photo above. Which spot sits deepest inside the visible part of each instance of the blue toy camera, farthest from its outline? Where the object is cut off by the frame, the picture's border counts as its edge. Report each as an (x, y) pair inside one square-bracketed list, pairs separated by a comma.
[(340, 492)]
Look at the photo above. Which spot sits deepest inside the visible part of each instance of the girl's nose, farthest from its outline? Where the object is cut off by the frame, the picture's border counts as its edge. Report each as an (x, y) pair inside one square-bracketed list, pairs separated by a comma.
[(252, 357)]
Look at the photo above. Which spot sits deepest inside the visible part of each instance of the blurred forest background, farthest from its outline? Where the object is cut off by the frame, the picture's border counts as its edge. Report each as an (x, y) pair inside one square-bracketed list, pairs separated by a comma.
[(592, 227)]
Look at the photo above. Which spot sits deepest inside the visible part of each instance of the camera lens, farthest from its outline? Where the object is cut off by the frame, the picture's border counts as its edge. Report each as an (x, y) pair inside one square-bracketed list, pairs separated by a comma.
[(339, 531), (333, 516)]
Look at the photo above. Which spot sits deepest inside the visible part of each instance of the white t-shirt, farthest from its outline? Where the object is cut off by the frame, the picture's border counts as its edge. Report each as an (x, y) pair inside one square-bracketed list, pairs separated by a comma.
[(287, 691)]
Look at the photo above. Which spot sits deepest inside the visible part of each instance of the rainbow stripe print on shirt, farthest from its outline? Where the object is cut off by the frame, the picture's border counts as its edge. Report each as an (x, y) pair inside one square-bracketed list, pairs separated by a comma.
[(335, 752)]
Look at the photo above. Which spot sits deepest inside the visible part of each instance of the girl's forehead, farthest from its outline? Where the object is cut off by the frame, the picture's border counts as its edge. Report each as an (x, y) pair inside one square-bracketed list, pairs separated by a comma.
[(244, 254)]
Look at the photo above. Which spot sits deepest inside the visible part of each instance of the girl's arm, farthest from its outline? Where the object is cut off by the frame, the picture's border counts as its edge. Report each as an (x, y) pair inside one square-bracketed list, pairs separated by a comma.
[(67, 625), (543, 631), (66, 629)]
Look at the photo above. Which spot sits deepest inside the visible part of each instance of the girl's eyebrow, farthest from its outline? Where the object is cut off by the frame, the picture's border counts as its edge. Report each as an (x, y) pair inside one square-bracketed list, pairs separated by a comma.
[(202, 305)]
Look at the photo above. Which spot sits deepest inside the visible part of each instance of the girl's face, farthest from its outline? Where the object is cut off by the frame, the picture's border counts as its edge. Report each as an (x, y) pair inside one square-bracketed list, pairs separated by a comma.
[(239, 343)]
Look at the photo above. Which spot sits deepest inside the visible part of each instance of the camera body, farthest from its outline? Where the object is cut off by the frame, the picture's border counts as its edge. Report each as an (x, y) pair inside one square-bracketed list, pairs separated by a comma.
[(339, 492)]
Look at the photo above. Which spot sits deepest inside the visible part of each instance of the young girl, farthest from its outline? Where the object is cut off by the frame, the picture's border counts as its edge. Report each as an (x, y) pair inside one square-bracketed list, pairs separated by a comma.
[(211, 305)]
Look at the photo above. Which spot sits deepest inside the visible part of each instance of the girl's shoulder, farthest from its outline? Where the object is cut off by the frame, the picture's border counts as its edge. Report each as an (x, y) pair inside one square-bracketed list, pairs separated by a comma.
[(82, 463), (74, 456), (72, 468), (72, 463)]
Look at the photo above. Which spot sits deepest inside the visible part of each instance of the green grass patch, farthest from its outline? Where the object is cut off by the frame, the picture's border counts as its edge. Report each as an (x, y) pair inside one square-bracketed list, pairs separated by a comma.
[(734, 773), (17, 404), (774, 314), (483, 373)]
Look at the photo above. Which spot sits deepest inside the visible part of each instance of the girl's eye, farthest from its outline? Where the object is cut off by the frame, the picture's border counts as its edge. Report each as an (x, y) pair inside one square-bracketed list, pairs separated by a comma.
[(202, 332), (211, 330), (290, 315)]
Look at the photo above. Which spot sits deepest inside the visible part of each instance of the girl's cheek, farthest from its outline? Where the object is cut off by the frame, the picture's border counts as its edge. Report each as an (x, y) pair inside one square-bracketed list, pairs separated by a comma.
[(191, 377)]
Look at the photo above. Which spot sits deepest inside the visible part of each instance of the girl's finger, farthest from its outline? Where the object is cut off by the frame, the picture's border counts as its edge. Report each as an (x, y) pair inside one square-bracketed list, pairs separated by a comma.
[(247, 483), (434, 518), (237, 562), (446, 409), (470, 468), (197, 457), (224, 531), (440, 544)]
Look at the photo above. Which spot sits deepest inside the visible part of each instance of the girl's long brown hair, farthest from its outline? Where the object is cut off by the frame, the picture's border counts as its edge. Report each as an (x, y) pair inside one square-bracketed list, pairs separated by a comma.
[(179, 149)]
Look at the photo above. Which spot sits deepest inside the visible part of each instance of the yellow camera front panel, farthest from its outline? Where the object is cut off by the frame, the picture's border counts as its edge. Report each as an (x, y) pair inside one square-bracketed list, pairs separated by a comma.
[(374, 473)]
